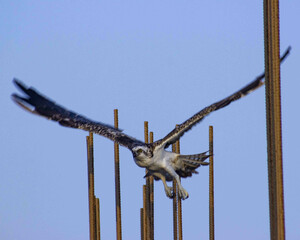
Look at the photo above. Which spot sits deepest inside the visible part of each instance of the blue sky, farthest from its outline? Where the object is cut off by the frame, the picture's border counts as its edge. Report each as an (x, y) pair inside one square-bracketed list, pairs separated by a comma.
[(160, 61)]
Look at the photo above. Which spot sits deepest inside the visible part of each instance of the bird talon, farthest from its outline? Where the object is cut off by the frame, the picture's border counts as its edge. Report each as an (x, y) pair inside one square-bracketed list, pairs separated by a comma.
[(183, 194), (169, 192)]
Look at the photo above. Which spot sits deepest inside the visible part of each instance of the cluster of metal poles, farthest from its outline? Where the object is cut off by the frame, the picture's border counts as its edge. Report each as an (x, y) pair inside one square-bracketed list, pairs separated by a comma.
[(147, 211), (94, 203), (274, 141)]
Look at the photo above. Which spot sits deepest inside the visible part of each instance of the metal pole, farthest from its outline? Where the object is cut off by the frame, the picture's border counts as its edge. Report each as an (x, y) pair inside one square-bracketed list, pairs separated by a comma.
[(90, 163), (147, 213), (117, 181), (211, 185), (175, 225), (142, 223), (98, 218), (273, 112), (151, 198), (179, 201)]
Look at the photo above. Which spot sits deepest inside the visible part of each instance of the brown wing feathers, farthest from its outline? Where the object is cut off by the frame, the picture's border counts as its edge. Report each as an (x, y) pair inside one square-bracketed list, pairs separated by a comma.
[(37, 104), (40, 105)]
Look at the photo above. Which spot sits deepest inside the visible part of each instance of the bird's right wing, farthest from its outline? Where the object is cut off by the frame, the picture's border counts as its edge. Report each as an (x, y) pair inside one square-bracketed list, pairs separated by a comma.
[(40, 105)]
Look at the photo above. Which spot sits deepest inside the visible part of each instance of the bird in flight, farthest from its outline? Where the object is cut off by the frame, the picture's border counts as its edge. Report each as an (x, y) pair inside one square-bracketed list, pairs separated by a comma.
[(160, 163)]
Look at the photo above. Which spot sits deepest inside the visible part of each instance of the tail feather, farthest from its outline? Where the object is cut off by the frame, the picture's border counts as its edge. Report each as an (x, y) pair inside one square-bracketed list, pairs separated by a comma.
[(195, 159), (189, 163)]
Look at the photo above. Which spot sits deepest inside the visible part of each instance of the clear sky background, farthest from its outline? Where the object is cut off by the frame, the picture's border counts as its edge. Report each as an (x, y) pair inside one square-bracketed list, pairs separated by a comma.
[(160, 61)]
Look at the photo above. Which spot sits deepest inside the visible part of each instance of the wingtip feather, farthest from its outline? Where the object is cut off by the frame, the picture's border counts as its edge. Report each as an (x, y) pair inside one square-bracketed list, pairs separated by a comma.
[(21, 102), (20, 84)]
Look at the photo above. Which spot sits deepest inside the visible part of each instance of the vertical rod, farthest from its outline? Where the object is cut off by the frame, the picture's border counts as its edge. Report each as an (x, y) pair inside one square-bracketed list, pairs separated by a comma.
[(90, 163), (147, 213), (175, 225), (146, 135), (142, 223), (98, 218), (271, 167), (179, 202), (117, 181), (211, 185), (151, 198), (273, 112)]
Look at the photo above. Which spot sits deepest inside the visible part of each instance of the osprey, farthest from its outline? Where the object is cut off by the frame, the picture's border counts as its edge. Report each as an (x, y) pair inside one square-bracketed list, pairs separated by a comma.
[(160, 163)]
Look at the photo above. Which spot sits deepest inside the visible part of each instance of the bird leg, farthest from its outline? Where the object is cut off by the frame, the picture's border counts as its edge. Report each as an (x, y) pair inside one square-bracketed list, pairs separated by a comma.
[(168, 190), (183, 194)]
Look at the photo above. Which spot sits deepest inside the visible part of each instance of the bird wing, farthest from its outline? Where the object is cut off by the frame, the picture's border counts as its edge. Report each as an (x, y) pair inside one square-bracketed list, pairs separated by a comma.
[(40, 105), (180, 129)]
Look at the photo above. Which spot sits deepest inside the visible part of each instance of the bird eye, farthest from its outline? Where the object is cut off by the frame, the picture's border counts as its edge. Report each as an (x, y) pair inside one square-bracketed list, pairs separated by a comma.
[(139, 151)]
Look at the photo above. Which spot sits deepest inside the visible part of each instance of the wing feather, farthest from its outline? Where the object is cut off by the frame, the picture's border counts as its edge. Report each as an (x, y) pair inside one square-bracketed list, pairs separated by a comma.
[(180, 129), (40, 105)]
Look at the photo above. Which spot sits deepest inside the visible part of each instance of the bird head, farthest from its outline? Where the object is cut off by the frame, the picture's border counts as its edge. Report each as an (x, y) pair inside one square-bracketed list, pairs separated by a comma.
[(142, 152)]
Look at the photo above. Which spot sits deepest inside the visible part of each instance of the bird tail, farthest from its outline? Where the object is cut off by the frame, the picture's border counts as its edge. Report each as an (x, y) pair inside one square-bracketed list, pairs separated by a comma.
[(194, 160), (189, 163)]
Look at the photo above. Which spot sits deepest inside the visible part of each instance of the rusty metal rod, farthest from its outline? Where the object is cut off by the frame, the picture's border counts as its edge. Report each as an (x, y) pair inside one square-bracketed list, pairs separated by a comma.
[(97, 201), (151, 198), (91, 186), (146, 135), (147, 213), (117, 181), (142, 223), (179, 201), (211, 185), (271, 167), (273, 112), (175, 218)]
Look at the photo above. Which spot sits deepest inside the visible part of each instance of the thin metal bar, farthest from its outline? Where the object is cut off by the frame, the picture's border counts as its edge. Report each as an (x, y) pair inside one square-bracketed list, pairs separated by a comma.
[(117, 181), (142, 223), (273, 112), (175, 223), (211, 185), (271, 167), (98, 218), (146, 135), (151, 198), (179, 202), (144, 212), (90, 163), (147, 212)]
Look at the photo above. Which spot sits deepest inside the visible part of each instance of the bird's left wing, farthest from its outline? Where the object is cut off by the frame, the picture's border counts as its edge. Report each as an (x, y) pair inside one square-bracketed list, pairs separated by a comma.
[(180, 129), (40, 105)]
